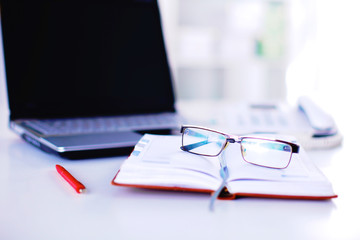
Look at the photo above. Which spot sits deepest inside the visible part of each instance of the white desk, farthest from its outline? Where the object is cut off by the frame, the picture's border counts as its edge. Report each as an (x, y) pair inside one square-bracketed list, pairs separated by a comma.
[(36, 203)]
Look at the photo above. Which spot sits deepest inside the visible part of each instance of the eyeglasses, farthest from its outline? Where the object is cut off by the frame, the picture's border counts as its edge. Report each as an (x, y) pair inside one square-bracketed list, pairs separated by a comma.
[(263, 152)]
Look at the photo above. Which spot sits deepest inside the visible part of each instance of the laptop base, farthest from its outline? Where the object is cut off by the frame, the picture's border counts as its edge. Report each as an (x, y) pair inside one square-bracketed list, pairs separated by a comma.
[(91, 153)]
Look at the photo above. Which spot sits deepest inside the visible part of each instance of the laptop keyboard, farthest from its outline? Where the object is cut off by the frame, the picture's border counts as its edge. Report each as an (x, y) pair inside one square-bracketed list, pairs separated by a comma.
[(105, 124)]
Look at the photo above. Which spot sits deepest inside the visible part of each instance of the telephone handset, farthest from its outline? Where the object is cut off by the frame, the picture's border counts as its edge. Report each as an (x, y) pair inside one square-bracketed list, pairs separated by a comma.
[(318, 119)]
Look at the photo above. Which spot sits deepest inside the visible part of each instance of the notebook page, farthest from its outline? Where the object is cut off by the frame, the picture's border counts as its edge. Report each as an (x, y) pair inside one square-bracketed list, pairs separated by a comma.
[(300, 178), (159, 161)]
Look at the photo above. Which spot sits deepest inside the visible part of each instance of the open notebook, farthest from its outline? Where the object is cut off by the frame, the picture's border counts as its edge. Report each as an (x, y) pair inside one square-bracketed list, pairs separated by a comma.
[(157, 162)]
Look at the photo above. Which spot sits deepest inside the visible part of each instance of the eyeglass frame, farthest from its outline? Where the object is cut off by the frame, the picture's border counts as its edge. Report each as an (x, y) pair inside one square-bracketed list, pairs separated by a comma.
[(237, 139)]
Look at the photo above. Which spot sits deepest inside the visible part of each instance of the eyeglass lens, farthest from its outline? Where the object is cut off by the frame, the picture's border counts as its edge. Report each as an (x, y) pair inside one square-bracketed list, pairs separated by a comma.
[(202, 141), (267, 153)]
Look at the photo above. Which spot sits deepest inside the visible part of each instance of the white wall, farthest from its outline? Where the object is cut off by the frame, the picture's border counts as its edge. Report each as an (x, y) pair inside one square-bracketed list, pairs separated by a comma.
[(235, 49)]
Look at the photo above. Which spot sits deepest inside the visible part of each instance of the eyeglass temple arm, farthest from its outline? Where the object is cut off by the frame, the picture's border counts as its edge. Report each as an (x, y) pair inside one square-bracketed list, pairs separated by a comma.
[(294, 148), (194, 145)]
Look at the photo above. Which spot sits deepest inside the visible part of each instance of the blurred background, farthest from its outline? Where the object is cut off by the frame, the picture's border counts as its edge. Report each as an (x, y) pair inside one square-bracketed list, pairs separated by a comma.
[(256, 50), (259, 50)]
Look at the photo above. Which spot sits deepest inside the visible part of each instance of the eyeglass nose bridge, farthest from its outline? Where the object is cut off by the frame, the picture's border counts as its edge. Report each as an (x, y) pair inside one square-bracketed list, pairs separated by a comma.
[(230, 140)]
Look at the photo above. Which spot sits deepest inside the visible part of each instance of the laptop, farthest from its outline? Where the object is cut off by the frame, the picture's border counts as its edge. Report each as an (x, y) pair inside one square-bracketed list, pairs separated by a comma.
[(86, 78)]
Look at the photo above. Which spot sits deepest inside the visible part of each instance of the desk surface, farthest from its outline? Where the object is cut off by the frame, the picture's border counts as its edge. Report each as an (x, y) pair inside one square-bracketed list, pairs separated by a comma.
[(36, 203)]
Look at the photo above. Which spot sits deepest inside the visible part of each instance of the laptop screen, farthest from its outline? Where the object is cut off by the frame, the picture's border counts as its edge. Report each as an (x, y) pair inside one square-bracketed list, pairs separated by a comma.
[(85, 58)]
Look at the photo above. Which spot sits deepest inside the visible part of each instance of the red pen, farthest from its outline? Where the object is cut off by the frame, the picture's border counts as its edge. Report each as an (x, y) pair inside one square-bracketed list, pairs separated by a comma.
[(78, 186)]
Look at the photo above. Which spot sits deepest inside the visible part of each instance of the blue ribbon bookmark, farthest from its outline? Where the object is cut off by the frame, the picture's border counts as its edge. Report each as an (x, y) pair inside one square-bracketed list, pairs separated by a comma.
[(224, 173)]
